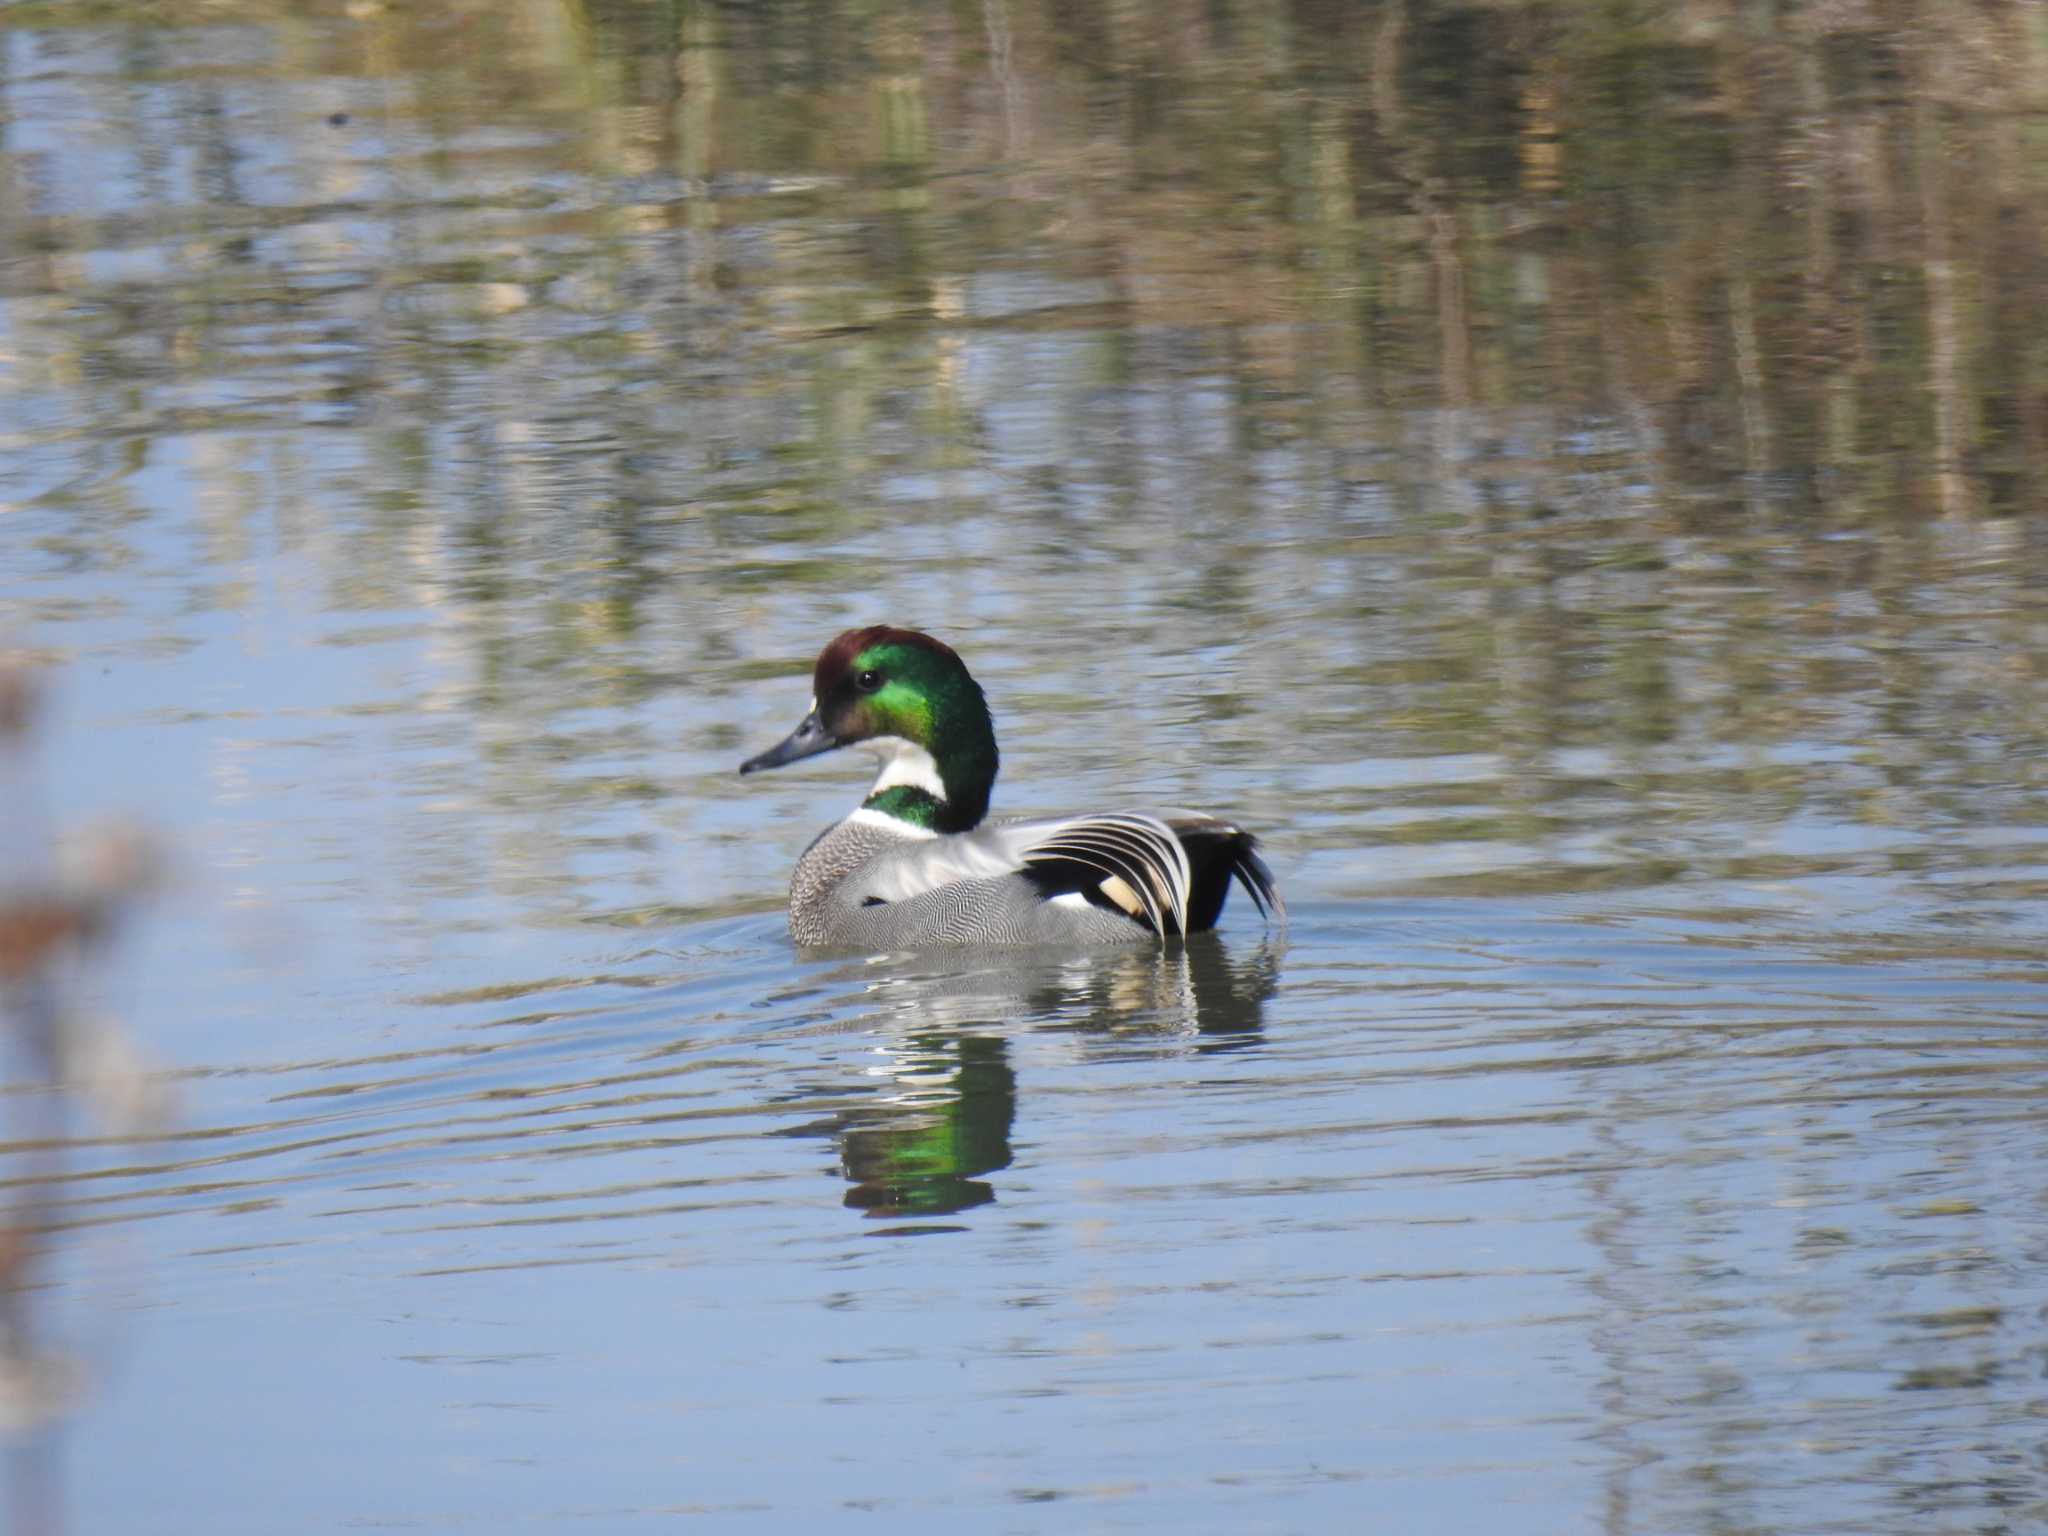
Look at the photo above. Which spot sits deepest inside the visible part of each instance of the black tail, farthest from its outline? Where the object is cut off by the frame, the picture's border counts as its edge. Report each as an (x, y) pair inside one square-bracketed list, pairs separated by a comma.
[(1217, 853)]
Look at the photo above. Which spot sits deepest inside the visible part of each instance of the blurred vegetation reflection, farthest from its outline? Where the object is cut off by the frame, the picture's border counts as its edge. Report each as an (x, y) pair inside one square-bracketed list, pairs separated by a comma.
[(1795, 263)]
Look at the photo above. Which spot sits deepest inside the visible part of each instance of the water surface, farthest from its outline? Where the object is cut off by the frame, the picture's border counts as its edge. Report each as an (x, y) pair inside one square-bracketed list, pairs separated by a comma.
[(1571, 481)]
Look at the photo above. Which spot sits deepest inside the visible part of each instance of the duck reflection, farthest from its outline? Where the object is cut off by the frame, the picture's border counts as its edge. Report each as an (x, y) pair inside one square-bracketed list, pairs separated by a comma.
[(1199, 993), (948, 1023), (917, 1153)]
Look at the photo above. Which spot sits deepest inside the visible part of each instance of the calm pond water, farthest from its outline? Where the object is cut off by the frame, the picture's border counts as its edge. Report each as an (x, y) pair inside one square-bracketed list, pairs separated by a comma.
[(1572, 479)]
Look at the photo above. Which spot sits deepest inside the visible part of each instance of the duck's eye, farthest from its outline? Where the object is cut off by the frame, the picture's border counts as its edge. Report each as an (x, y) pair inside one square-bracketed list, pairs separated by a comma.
[(868, 681)]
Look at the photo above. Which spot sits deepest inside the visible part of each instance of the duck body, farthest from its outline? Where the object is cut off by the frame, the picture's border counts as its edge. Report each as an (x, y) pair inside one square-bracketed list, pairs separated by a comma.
[(917, 865)]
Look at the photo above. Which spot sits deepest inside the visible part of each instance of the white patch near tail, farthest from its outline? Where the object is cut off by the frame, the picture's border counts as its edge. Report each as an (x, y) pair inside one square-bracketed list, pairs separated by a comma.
[(1118, 890)]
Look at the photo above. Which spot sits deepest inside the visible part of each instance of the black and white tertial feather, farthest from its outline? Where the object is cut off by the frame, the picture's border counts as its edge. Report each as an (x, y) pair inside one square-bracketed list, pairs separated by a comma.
[(1142, 867)]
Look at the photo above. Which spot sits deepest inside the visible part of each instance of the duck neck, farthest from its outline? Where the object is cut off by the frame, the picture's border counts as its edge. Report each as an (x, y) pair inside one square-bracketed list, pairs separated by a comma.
[(941, 791)]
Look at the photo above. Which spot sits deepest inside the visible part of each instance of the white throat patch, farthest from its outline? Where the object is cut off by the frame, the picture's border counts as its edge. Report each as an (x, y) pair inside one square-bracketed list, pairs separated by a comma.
[(863, 817), (904, 762)]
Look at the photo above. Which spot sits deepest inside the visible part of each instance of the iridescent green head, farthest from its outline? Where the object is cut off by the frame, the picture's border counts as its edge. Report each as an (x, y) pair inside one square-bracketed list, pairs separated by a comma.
[(910, 700)]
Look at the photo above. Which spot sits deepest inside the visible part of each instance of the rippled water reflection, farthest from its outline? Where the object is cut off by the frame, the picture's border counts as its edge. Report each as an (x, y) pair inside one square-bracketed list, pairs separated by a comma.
[(1571, 482), (1455, 1199)]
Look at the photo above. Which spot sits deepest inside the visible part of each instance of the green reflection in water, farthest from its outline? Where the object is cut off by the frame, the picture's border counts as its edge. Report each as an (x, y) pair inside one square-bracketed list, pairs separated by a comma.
[(921, 1153)]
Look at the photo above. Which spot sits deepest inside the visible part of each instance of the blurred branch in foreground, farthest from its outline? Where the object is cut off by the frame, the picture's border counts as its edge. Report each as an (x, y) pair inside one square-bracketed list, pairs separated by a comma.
[(58, 920)]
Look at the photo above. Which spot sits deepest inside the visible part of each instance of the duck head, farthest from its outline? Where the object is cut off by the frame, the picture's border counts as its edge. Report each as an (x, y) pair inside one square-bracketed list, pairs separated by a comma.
[(910, 701)]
